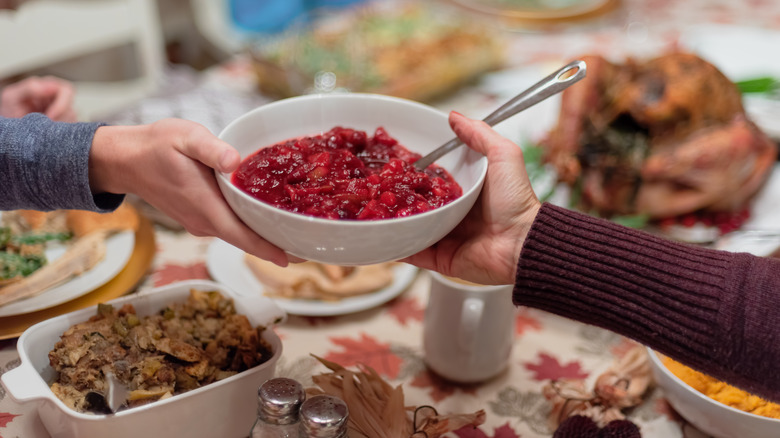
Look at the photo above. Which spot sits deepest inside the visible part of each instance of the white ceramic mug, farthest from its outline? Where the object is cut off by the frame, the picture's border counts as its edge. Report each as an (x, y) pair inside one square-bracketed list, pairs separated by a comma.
[(468, 329)]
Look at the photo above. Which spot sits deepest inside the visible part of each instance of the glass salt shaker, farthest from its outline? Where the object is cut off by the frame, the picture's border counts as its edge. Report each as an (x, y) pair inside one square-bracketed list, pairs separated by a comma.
[(323, 416), (278, 403)]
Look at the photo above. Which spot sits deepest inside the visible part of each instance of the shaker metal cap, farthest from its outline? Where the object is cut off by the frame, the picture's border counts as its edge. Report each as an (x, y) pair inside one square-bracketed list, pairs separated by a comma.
[(279, 400), (324, 416)]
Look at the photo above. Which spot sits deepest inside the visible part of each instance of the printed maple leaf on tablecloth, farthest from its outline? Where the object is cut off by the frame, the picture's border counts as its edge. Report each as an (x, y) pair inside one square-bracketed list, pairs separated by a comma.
[(524, 321), (168, 274), (6, 418), (548, 368), (504, 431), (406, 309), (368, 351), (439, 388)]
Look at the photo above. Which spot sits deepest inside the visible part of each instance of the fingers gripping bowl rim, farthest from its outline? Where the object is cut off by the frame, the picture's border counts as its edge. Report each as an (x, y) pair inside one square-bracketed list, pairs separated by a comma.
[(418, 127)]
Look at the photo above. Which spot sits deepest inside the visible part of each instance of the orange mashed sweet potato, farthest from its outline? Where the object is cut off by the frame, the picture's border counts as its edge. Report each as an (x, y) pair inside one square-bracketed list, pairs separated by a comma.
[(722, 392)]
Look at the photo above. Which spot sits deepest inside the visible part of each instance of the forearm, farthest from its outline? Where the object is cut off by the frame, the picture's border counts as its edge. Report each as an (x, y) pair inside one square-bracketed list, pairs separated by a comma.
[(44, 165), (112, 160), (713, 310)]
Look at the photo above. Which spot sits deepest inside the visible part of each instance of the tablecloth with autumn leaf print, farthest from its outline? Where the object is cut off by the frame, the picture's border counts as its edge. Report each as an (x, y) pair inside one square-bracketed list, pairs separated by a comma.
[(388, 338)]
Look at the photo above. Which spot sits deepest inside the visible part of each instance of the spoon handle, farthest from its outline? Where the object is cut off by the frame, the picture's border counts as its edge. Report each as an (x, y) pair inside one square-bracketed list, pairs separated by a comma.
[(552, 84)]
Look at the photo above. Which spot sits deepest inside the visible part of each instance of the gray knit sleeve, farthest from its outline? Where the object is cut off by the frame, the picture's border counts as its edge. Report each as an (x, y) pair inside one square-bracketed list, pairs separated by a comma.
[(44, 166)]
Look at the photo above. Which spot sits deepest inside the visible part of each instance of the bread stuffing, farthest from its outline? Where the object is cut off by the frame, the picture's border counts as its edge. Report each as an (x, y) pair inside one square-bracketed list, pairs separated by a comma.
[(183, 346)]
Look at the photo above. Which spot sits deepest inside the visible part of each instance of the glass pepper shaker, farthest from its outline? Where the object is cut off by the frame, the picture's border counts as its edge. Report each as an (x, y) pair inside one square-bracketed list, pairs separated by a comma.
[(278, 403), (323, 416)]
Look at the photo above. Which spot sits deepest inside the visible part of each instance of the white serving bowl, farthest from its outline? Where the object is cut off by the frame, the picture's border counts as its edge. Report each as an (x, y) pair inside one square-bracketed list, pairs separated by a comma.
[(225, 409), (418, 127), (710, 416)]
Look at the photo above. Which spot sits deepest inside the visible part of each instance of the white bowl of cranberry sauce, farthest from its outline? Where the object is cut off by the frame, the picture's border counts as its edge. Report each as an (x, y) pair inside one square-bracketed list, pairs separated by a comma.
[(336, 184)]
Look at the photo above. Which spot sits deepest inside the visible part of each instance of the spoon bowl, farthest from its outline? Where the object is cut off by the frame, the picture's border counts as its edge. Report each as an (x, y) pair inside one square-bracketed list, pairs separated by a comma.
[(112, 400)]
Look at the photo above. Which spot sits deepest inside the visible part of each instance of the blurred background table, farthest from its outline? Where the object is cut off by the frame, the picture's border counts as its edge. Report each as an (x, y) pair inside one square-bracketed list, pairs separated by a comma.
[(388, 337)]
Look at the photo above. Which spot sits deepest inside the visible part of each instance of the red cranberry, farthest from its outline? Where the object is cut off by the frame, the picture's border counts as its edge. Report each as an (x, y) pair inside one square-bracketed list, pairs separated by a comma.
[(340, 175)]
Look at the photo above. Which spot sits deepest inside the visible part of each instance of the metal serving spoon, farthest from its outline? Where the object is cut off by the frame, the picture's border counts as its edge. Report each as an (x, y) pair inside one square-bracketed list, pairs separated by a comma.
[(552, 84), (112, 400), (117, 394)]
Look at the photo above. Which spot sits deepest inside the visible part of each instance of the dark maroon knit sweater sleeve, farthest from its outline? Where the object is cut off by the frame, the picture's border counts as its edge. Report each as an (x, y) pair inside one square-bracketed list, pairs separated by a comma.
[(715, 311)]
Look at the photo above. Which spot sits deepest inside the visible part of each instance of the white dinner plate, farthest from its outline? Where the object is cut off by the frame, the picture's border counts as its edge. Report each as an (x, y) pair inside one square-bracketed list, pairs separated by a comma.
[(742, 53), (539, 9), (119, 248), (761, 243), (760, 235), (226, 265)]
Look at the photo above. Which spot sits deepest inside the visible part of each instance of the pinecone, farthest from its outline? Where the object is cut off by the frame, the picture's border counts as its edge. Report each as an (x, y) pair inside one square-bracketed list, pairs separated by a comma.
[(577, 426), (620, 429)]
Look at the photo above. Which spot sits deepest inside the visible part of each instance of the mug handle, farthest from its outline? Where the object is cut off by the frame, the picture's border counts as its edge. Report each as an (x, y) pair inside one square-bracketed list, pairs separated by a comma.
[(470, 315)]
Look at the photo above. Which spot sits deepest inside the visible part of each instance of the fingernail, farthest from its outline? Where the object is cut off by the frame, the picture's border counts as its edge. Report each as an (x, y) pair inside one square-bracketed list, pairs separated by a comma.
[(453, 116), (226, 161)]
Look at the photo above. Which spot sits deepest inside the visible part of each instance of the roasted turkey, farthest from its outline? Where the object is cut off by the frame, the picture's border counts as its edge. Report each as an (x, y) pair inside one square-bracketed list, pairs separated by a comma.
[(664, 137)]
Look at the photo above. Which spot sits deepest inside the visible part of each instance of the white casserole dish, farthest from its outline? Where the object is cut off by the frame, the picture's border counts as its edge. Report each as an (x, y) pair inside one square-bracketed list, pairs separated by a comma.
[(224, 409)]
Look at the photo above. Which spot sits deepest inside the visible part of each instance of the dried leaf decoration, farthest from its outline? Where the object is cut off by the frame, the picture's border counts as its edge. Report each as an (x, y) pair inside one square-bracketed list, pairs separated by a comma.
[(377, 410), (622, 386)]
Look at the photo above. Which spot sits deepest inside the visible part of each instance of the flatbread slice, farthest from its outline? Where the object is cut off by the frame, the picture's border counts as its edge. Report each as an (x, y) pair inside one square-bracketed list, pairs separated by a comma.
[(317, 281)]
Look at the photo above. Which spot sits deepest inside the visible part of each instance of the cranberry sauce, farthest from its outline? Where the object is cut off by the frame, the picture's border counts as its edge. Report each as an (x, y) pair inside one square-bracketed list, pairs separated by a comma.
[(345, 174)]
